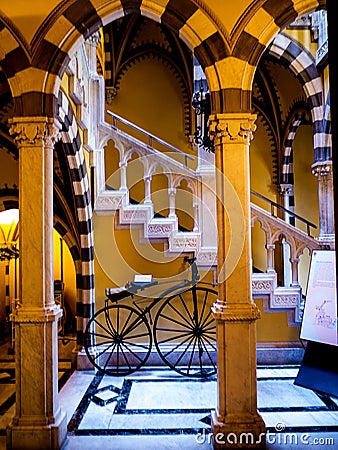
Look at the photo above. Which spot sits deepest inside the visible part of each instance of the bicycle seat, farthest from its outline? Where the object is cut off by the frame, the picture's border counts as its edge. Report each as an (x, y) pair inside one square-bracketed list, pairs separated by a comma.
[(115, 294)]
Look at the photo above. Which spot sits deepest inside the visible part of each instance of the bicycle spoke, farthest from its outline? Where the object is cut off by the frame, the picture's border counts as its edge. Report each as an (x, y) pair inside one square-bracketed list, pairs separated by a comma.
[(103, 327), (127, 321), (203, 308), (204, 322), (209, 356), (171, 319), (136, 336), (103, 351), (210, 343), (210, 330), (133, 353), (110, 355), (125, 358), (109, 322), (137, 322), (185, 307), (172, 338), (179, 313), (178, 345), (134, 344), (184, 352), (94, 334), (191, 356)]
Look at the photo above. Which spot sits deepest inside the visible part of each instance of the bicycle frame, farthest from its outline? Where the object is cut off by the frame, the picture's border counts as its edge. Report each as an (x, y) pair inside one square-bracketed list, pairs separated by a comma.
[(132, 288), (183, 330)]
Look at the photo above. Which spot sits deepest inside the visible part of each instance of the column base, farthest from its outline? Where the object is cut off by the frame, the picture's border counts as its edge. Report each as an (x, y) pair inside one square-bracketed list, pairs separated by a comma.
[(35, 437), (238, 432)]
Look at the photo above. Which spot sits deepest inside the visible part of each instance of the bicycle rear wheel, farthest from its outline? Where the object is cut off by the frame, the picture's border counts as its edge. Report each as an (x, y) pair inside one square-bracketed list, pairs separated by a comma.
[(118, 340), (185, 332)]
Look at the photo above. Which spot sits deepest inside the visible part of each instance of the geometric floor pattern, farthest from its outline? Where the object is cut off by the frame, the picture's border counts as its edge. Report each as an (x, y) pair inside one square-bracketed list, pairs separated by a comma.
[(160, 402), (159, 409)]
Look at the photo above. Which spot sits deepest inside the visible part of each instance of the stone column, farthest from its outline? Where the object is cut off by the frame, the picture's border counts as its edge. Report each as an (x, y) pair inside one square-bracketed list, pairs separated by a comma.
[(172, 197), (270, 249), (236, 421), (286, 191), (323, 172), (147, 189), (123, 171), (38, 422)]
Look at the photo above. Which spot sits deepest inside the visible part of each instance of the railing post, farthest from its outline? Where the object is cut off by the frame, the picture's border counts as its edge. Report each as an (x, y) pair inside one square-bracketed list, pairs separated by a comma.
[(123, 171), (147, 189), (294, 269), (172, 195), (270, 257)]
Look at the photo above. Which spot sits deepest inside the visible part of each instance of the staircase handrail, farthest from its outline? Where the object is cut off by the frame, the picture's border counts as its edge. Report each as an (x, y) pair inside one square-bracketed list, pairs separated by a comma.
[(291, 213), (151, 137)]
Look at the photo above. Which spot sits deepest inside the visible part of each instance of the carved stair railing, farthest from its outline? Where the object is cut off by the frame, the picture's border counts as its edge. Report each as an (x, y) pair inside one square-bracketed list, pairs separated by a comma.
[(108, 200), (265, 284)]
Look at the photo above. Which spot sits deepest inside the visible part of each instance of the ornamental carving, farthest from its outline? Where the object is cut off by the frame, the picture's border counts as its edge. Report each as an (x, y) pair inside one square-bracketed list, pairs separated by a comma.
[(33, 133), (322, 169), (159, 229), (207, 257), (262, 286), (285, 300), (228, 130), (109, 203), (185, 243), (133, 215)]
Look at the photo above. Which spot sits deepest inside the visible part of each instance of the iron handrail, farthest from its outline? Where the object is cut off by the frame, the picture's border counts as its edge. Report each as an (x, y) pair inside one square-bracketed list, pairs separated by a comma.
[(151, 137), (291, 213)]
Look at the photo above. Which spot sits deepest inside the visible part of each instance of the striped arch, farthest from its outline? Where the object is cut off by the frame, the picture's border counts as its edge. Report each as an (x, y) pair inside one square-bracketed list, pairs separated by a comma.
[(302, 64), (327, 141), (193, 21), (287, 174), (75, 157)]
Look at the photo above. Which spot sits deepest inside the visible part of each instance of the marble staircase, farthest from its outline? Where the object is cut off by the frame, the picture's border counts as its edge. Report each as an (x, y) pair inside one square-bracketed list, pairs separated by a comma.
[(201, 240)]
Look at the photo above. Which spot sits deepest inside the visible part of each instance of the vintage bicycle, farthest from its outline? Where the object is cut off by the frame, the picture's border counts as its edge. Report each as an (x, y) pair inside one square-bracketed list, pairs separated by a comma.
[(119, 337)]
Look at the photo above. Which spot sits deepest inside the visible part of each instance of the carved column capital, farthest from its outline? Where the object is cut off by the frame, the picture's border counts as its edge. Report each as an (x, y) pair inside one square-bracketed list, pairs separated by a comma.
[(285, 189), (171, 191), (322, 169), (231, 128), (34, 131), (110, 94), (94, 39)]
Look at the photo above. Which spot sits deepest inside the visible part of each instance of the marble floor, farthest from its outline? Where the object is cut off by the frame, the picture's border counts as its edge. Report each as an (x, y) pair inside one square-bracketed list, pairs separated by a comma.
[(159, 409)]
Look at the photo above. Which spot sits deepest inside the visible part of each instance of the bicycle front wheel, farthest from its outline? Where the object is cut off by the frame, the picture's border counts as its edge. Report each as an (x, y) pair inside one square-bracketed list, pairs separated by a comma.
[(185, 332), (118, 340)]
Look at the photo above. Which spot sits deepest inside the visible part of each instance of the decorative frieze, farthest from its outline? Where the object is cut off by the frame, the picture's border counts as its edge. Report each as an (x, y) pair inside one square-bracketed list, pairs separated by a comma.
[(285, 301), (133, 215), (158, 229), (262, 286), (104, 203)]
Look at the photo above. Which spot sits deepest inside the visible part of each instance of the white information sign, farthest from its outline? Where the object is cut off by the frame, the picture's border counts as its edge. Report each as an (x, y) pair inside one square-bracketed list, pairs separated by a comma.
[(320, 313)]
